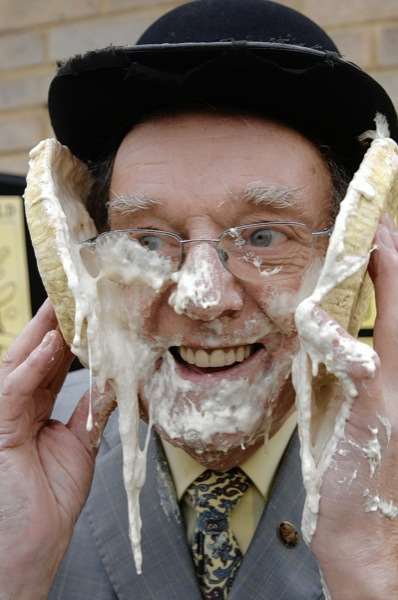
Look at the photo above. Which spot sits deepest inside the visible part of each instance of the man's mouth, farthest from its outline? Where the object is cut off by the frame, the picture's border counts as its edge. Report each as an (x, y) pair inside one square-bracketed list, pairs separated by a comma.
[(211, 360)]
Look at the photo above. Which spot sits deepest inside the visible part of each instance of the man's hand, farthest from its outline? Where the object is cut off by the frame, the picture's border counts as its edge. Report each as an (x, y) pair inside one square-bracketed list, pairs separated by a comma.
[(45, 467), (356, 540)]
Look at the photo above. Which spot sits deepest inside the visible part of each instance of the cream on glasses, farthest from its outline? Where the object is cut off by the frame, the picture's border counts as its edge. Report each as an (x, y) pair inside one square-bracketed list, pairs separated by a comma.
[(250, 252)]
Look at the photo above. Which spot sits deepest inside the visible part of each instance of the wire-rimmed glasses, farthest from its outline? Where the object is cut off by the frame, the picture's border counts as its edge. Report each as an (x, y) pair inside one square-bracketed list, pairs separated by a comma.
[(250, 252)]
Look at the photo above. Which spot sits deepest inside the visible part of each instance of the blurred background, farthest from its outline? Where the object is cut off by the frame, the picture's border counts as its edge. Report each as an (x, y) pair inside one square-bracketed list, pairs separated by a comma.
[(35, 34)]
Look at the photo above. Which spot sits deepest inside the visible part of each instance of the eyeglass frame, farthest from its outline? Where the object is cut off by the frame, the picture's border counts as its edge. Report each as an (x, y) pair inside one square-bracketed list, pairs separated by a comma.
[(327, 231)]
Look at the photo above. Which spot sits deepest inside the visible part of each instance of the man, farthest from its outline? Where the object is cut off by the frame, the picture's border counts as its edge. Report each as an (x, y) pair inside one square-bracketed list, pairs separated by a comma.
[(208, 137)]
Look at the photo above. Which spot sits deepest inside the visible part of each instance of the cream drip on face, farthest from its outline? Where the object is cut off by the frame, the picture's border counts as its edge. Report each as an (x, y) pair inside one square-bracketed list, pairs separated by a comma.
[(216, 326), (119, 355), (133, 357), (198, 416), (195, 283), (111, 286), (237, 411), (230, 335), (285, 302), (111, 289)]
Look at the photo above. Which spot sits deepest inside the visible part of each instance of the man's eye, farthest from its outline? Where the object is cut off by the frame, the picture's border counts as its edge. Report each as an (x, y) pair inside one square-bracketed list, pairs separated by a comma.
[(150, 242), (263, 238)]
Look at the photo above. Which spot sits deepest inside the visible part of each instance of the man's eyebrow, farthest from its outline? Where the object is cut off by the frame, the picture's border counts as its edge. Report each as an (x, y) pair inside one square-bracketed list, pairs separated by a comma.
[(270, 195), (130, 203), (257, 193)]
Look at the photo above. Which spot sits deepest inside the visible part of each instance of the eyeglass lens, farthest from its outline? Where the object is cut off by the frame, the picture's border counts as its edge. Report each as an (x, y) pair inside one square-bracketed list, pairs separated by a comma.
[(257, 252), (251, 253)]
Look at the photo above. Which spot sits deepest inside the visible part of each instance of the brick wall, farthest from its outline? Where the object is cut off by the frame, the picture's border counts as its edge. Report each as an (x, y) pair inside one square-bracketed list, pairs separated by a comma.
[(34, 34)]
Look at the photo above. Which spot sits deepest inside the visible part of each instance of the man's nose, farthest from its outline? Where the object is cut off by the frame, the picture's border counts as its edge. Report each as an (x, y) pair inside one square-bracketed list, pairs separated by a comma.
[(205, 289)]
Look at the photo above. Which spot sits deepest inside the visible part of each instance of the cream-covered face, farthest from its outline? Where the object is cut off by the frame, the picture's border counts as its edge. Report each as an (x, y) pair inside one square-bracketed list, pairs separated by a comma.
[(197, 175)]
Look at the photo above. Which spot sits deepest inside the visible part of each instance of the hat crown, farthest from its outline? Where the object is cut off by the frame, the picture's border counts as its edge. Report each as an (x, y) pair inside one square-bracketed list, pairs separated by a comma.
[(273, 61), (204, 21)]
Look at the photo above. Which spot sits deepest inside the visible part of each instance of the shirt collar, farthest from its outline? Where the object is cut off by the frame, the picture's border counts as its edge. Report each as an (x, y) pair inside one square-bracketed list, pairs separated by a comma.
[(260, 467)]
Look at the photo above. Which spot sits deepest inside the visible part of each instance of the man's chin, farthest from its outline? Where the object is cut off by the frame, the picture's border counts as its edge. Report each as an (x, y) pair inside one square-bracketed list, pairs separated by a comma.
[(216, 424), (221, 452)]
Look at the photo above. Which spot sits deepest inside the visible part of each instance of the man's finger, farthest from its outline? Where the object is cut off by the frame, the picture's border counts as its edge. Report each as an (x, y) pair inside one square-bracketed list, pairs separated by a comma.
[(56, 377), (45, 396), (19, 386), (29, 339), (61, 373), (103, 405)]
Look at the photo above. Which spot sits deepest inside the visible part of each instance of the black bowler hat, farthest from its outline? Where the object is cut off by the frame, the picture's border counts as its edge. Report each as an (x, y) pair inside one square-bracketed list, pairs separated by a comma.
[(253, 55)]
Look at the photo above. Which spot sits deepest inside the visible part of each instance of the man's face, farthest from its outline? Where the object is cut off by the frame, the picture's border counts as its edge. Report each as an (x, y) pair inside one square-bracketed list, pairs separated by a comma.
[(197, 175)]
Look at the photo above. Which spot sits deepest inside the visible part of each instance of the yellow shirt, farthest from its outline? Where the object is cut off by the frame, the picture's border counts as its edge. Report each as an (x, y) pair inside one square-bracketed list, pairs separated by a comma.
[(260, 468)]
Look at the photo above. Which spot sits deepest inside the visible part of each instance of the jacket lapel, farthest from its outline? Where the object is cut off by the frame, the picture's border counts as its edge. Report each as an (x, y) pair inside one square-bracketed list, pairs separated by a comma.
[(270, 569), (167, 566)]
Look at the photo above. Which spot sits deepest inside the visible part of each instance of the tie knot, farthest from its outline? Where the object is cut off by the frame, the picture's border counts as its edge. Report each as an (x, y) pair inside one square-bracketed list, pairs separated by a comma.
[(219, 491)]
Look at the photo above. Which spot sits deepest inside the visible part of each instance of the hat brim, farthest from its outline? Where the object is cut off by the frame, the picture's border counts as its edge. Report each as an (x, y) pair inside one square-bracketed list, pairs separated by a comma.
[(95, 99)]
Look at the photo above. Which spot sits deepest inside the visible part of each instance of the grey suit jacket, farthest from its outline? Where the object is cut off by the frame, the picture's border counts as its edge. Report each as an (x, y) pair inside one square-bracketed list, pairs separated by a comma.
[(99, 563)]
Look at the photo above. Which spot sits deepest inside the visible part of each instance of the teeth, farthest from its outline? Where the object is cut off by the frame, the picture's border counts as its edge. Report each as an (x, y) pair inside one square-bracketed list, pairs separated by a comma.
[(190, 357), (217, 358), (240, 354), (201, 358), (214, 358)]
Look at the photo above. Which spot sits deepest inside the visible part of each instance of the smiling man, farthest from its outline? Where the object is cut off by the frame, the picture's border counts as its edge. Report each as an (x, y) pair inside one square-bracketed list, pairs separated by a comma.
[(229, 321), (223, 142)]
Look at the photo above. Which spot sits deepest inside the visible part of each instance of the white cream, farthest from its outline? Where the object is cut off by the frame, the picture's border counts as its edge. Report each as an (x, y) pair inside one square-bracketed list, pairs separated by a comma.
[(318, 339), (285, 302), (118, 354), (219, 418), (253, 259), (128, 263), (216, 327), (353, 477), (249, 332), (322, 425), (325, 588), (89, 425), (108, 296), (110, 288), (219, 410), (372, 451), (387, 426), (195, 283), (386, 508), (348, 480)]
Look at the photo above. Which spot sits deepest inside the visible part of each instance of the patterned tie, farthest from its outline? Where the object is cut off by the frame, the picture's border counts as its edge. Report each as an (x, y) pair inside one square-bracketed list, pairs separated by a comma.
[(215, 551)]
